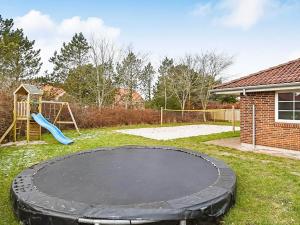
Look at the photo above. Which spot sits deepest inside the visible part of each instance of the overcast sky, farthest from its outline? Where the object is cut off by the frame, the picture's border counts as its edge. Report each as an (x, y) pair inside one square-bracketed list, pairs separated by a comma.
[(258, 33)]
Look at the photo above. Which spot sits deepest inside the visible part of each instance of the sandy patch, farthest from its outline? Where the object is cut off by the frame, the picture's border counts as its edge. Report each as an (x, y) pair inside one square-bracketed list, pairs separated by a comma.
[(167, 133)]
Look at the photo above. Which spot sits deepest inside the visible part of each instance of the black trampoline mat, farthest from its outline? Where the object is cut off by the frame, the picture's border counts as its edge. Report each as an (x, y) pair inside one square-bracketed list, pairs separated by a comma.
[(126, 176)]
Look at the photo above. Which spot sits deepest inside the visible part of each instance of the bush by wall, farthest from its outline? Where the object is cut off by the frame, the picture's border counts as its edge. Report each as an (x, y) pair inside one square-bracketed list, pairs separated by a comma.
[(92, 117)]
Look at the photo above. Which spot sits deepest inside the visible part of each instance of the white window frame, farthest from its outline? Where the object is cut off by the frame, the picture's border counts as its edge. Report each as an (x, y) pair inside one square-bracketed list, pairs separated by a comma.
[(276, 108)]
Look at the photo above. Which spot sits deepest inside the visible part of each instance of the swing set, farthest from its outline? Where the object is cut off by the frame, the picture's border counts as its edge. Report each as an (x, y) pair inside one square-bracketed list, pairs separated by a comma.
[(28, 100)]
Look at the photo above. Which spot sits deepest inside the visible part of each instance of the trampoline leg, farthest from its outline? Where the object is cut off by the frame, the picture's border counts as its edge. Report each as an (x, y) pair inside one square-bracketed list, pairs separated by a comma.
[(182, 222)]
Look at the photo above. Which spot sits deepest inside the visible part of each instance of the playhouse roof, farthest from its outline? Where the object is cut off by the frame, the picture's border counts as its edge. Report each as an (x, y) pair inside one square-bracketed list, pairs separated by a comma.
[(286, 74), (28, 89)]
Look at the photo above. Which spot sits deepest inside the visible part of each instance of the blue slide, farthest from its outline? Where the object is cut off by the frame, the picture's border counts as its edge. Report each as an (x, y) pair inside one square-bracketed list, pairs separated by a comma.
[(57, 134)]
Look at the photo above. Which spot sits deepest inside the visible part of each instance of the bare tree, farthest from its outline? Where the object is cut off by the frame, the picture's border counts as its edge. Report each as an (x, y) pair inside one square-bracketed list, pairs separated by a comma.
[(209, 67), (103, 53), (195, 76), (182, 79)]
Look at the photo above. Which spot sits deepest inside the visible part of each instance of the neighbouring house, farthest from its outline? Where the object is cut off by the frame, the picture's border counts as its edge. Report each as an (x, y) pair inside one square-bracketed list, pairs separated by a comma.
[(270, 106), (122, 97), (52, 92)]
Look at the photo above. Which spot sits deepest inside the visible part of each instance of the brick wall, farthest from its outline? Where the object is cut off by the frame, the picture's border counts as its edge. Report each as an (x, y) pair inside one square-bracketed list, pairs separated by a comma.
[(268, 132)]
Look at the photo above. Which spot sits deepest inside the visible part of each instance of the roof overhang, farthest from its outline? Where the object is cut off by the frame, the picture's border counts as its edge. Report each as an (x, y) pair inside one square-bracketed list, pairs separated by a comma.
[(258, 88)]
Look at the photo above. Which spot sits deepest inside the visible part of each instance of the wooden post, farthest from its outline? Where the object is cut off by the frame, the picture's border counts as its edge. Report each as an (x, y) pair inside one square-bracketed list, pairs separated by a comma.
[(57, 116), (233, 119), (7, 131), (73, 119), (28, 118), (161, 115), (40, 111), (15, 118)]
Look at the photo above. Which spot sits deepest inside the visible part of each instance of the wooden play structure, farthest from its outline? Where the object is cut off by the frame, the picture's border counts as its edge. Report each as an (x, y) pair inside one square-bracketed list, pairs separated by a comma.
[(28, 100)]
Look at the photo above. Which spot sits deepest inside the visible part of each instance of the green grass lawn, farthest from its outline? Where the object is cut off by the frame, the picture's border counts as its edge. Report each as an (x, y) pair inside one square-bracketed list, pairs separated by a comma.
[(268, 187)]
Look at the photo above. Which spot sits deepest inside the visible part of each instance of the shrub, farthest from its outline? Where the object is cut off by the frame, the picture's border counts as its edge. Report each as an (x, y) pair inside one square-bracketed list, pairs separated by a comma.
[(93, 117), (6, 109)]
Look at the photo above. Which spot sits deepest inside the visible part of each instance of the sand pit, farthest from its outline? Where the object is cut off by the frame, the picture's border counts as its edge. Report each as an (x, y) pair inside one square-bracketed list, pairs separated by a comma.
[(168, 133)]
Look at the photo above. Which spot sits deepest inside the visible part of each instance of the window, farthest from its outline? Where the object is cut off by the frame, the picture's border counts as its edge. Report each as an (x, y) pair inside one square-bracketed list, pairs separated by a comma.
[(288, 107)]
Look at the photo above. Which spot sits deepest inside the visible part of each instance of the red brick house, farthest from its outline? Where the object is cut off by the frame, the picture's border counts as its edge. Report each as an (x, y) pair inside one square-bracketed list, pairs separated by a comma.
[(270, 106), (51, 92), (122, 99)]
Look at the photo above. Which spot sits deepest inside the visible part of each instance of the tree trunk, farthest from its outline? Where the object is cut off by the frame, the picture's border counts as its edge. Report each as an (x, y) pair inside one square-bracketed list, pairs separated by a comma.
[(204, 116), (130, 98), (182, 108), (165, 93), (204, 105), (98, 86), (165, 98), (149, 91)]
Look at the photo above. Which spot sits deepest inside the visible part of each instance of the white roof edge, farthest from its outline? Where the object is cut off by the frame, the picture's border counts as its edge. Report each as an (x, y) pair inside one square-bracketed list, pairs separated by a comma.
[(259, 88)]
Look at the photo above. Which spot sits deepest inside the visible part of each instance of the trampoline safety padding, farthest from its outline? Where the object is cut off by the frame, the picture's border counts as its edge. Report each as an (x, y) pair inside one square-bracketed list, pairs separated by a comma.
[(124, 185)]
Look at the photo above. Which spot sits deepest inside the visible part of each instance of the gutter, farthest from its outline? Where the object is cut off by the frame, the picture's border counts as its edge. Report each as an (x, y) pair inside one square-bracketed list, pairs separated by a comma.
[(258, 88)]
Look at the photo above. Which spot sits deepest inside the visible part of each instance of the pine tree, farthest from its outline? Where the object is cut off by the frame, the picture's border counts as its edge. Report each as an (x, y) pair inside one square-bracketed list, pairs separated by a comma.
[(147, 78), (80, 84), (163, 70), (72, 55), (128, 76), (18, 58)]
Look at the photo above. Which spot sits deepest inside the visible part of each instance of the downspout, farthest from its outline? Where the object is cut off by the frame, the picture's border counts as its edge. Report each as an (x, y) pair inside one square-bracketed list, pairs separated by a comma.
[(253, 121), (253, 126)]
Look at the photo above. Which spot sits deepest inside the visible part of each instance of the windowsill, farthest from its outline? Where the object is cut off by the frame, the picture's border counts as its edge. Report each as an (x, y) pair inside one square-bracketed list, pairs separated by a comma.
[(287, 121), (280, 123)]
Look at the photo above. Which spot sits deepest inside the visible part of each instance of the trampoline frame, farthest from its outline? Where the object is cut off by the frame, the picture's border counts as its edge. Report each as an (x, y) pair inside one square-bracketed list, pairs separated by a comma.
[(211, 202), (120, 222)]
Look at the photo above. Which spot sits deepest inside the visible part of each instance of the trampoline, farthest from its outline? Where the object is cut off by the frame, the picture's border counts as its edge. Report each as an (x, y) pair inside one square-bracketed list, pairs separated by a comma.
[(124, 185)]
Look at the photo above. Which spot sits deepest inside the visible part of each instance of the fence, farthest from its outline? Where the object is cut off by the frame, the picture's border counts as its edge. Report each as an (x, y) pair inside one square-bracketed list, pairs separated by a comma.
[(226, 115), (195, 116)]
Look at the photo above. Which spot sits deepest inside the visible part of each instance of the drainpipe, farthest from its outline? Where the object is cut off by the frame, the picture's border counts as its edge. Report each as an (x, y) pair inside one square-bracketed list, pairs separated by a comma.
[(244, 92), (253, 126)]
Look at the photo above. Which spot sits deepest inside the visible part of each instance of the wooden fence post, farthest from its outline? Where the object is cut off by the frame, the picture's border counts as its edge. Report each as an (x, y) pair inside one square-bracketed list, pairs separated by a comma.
[(161, 115), (28, 118)]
